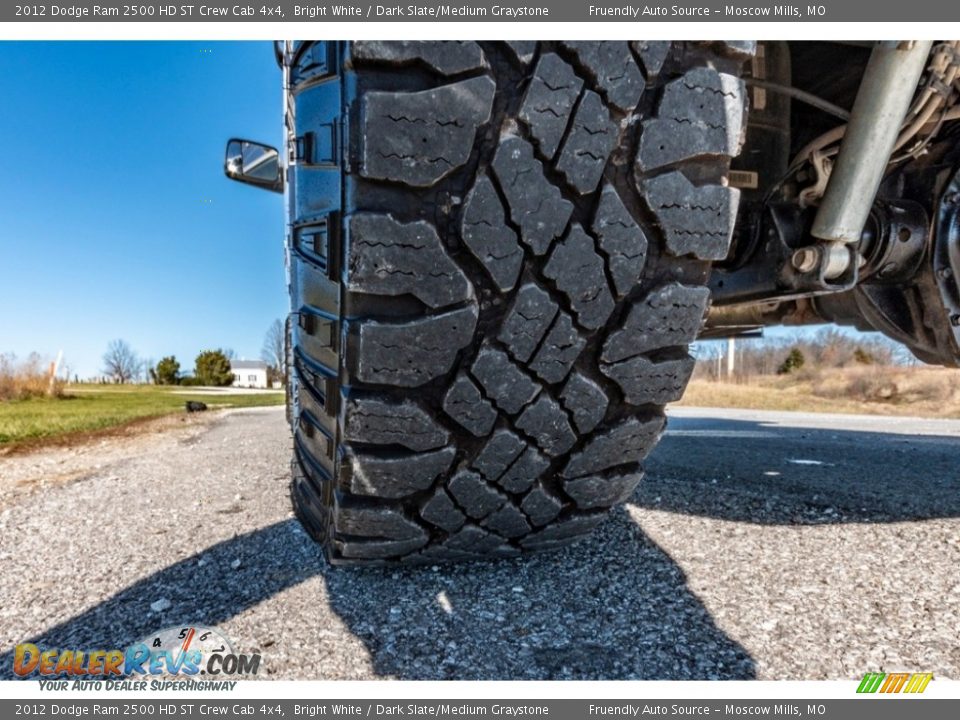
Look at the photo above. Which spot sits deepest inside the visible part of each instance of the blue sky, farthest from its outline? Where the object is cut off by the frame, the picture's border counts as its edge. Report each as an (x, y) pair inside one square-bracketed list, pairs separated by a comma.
[(116, 220)]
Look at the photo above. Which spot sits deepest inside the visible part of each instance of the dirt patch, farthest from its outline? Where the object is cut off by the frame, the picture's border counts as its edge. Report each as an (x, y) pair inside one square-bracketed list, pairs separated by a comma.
[(130, 429), (29, 467)]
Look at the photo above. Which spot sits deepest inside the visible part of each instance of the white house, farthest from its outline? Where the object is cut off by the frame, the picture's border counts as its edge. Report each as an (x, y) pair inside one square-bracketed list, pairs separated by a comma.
[(249, 373)]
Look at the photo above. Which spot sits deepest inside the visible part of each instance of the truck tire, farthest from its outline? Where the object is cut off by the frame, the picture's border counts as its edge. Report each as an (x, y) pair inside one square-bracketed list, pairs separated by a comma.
[(491, 315)]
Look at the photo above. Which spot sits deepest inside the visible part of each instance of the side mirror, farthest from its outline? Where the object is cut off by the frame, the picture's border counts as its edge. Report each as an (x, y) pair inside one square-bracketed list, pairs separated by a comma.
[(253, 163)]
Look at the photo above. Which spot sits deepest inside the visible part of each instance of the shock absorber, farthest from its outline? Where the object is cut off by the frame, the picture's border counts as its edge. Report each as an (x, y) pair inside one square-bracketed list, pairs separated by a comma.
[(882, 101)]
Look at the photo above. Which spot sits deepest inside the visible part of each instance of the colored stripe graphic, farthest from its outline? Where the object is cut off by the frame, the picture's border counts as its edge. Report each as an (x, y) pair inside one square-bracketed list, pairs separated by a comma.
[(918, 682), (894, 682), (870, 682)]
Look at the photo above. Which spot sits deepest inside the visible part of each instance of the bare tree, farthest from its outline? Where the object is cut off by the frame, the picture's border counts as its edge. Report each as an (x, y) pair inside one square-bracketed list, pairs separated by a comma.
[(273, 351), (120, 362)]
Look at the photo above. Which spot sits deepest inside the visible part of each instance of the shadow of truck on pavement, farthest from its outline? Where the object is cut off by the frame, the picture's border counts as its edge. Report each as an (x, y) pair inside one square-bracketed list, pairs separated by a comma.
[(573, 613), (614, 606)]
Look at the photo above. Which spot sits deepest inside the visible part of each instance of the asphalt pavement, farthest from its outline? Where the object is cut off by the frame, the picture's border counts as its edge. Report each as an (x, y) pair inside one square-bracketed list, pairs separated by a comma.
[(760, 545)]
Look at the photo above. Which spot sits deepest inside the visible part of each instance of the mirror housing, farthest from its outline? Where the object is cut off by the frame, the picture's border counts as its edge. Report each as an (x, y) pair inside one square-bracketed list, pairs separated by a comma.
[(253, 163)]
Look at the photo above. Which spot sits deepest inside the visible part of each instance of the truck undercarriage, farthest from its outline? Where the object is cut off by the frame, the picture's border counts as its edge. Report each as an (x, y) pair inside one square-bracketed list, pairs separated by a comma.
[(892, 267), (498, 254)]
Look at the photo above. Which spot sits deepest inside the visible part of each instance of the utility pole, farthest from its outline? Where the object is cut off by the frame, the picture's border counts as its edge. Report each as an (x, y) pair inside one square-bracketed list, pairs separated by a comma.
[(54, 368), (731, 357)]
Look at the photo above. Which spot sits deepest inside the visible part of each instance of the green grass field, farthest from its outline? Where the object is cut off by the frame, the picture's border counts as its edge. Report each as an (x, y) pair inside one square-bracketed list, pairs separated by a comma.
[(91, 408)]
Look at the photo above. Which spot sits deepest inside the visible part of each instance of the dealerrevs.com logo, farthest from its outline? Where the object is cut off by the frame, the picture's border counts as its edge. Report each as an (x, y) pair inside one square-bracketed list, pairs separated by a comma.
[(179, 651)]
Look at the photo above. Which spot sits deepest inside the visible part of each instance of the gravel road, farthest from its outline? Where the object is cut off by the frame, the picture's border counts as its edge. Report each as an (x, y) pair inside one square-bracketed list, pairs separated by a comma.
[(767, 545)]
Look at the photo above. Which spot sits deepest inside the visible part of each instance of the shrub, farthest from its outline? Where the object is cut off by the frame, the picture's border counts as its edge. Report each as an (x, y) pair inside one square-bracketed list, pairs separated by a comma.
[(167, 372), (872, 387), (213, 368), (26, 379), (793, 362)]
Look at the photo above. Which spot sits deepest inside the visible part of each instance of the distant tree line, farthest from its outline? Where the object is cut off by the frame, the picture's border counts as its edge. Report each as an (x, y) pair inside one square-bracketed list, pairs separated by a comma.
[(122, 364), (828, 348)]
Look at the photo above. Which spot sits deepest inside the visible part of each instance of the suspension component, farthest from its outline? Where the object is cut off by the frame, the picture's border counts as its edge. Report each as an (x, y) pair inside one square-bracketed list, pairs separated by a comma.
[(887, 87), (784, 264), (946, 265)]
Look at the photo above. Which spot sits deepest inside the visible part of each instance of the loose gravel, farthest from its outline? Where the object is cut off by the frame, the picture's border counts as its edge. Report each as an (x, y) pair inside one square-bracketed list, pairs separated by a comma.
[(730, 561)]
